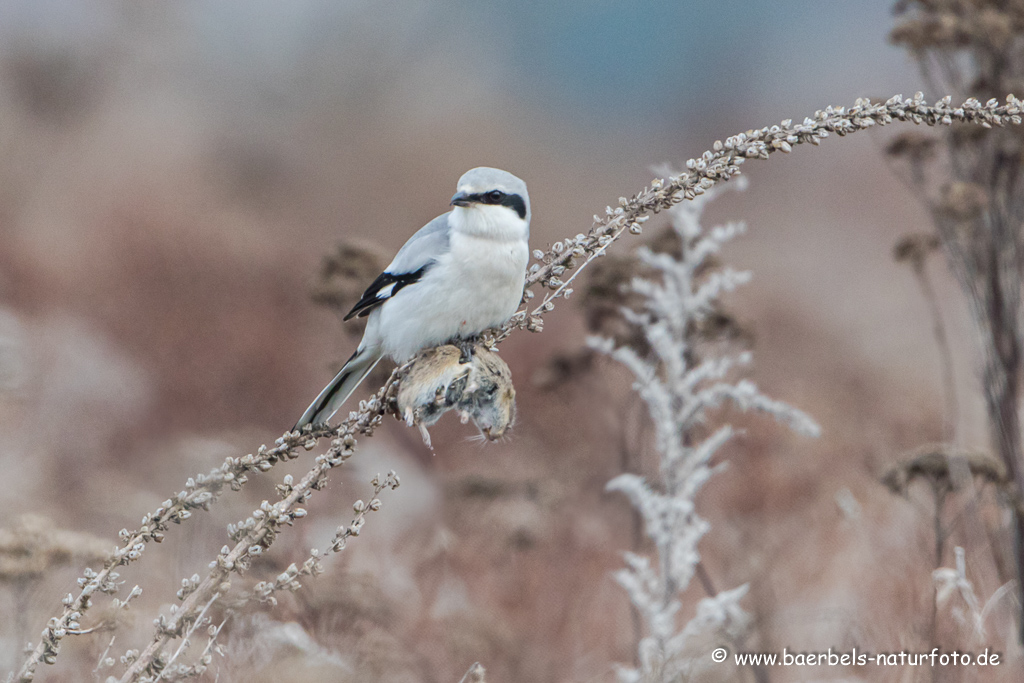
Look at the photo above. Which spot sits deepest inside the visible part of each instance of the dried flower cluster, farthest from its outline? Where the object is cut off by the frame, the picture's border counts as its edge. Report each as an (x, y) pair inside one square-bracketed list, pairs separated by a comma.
[(679, 390), (715, 166), (987, 25), (915, 249), (944, 467), (950, 470)]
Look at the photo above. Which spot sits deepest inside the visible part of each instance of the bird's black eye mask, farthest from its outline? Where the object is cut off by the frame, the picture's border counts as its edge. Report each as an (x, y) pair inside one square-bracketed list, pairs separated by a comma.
[(499, 198)]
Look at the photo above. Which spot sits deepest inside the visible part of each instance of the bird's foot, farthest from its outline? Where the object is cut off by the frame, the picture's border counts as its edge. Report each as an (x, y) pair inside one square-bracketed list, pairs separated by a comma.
[(467, 349)]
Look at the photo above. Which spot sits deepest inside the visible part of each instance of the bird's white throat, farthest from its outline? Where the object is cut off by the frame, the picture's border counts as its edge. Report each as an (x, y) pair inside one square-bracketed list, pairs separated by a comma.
[(499, 223)]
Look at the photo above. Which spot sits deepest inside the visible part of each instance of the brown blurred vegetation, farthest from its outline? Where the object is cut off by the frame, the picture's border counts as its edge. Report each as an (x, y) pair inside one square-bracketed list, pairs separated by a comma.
[(162, 225)]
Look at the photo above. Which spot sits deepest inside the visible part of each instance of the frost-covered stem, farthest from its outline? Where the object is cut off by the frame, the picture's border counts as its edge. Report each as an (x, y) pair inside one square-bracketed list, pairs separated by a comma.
[(679, 389), (474, 675)]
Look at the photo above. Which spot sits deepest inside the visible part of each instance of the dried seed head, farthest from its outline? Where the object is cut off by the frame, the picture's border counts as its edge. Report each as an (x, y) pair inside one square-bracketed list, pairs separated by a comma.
[(343, 277), (912, 145), (945, 467), (963, 201), (915, 248)]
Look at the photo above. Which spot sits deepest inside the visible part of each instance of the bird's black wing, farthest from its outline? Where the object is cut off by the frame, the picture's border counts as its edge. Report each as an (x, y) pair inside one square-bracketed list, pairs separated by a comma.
[(383, 288), (410, 264)]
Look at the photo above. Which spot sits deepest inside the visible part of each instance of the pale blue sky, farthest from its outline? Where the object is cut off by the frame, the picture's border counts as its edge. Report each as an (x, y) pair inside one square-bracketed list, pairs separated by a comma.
[(655, 62)]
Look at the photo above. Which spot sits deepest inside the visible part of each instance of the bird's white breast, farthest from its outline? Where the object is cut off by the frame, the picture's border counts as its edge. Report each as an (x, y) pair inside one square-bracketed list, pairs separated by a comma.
[(476, 284)]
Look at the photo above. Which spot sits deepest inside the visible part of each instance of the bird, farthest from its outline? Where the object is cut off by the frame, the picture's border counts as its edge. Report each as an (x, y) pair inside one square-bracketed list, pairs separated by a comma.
[(458, 275)]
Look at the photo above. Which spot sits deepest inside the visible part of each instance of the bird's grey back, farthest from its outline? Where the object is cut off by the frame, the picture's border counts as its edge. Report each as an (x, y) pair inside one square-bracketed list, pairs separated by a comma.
[(426, 245)]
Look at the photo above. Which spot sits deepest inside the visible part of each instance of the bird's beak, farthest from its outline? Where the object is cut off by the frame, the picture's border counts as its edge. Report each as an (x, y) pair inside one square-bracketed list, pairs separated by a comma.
[(461, 199)]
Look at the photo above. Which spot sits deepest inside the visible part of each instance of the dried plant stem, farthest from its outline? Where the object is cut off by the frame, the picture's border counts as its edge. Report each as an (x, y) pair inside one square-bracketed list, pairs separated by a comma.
[(268, 522), (264, 591), (197, 623), (199, 493), (211, 641), (977, 200), (939, 493), (562, 288), (951, 418), (313, 565), (723, 161), (103, 658)]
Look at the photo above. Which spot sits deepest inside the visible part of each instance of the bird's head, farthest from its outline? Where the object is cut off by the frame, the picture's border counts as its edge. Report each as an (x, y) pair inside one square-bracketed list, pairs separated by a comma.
[(496, 196)]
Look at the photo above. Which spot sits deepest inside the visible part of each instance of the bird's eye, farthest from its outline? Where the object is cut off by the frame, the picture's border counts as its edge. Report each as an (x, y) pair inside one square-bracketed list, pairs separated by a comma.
[(495, 196)]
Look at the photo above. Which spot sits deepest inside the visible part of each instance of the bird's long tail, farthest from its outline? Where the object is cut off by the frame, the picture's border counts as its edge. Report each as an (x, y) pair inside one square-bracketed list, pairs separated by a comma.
[(341, 387)]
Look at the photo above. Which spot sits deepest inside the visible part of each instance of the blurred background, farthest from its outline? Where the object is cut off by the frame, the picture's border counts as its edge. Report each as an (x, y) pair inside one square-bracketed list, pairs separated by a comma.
[(173, 177)]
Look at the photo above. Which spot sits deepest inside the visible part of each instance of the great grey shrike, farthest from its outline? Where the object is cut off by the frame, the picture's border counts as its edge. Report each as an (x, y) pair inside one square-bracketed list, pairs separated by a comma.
[(460, 274)]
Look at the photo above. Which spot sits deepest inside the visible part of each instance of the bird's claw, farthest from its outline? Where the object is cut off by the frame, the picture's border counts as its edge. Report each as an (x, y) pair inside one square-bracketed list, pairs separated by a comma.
[(467, 349)]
